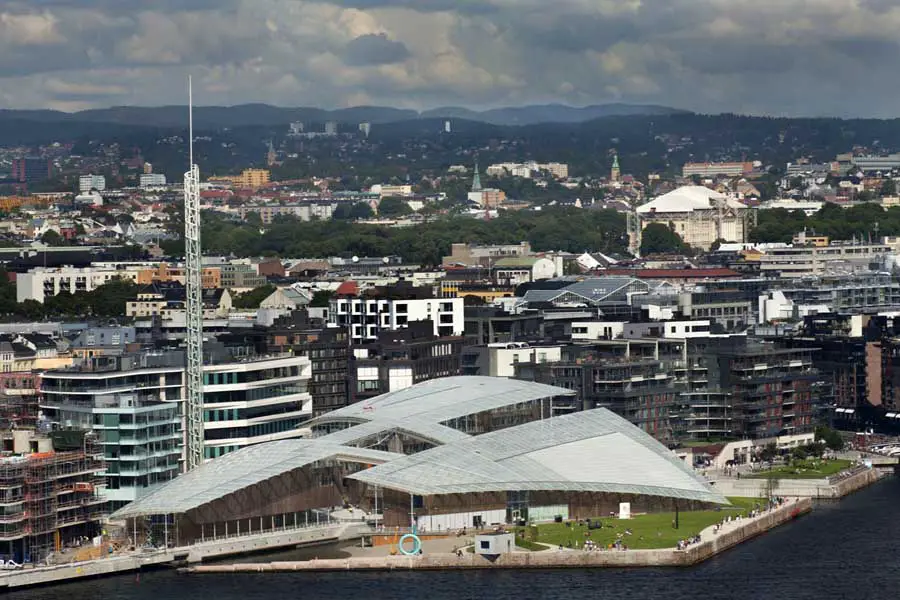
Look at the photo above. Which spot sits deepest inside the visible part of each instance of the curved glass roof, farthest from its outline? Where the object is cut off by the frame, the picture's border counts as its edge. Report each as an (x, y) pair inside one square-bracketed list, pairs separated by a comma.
[(241, 469), (439, 400), (591, 451)]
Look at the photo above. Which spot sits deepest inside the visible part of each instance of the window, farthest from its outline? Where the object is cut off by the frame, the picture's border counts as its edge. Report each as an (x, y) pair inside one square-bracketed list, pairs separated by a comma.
[(485, 545)]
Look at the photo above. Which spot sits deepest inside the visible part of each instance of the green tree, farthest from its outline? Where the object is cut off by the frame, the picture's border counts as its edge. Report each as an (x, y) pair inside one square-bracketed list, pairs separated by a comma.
[(321, 299), (830, 437), (659, 239), (254, 297), (393, 207), (52, 237), (889, 187)]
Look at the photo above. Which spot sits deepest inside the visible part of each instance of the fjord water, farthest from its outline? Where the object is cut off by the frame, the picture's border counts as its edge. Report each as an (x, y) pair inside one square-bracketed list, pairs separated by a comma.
[(846, 549)]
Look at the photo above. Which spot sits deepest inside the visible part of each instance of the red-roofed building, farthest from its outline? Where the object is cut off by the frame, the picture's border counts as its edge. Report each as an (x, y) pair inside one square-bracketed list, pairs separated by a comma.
[(348, 288), (676, 274)]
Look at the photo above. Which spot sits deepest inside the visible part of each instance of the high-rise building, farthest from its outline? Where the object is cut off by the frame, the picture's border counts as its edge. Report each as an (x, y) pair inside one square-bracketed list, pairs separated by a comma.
[(365, 129), (296, 128), (31, 169), (331, 128)]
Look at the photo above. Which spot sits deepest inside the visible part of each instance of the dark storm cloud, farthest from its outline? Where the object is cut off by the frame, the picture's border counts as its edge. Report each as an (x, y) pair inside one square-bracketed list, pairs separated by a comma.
[(374, 49), (774, 56)]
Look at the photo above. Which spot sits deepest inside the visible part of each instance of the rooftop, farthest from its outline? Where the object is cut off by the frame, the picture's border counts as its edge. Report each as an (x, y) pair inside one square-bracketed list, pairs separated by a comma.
[(591, 451), (688, 199)]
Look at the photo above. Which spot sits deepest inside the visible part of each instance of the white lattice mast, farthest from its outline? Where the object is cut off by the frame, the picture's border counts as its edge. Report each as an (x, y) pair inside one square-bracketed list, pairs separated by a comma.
[(193, 289)]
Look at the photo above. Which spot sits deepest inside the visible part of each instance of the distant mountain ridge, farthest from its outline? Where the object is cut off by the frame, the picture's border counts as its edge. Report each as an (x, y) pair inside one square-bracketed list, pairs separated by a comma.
[(244, 115)]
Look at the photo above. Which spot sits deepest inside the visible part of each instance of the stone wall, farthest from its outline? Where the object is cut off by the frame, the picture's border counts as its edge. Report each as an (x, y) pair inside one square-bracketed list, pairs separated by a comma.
[(547, 559), (802, 488)]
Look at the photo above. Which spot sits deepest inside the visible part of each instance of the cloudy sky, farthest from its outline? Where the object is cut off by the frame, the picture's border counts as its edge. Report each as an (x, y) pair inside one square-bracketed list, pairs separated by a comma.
[(782, 57)]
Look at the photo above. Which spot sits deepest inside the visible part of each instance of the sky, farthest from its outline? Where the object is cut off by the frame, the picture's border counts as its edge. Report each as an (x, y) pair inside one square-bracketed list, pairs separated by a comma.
[(775, 57)]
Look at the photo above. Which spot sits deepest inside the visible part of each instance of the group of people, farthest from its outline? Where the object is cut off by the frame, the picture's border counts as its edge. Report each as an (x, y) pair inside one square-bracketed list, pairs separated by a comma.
[(683, 544)]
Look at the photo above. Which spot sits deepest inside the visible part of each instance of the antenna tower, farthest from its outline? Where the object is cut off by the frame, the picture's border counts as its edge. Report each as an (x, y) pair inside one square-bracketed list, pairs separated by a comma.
[(193, 289)]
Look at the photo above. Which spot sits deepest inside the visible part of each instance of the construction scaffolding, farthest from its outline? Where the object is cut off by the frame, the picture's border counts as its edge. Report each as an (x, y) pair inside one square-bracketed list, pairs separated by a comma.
[(49, 500)]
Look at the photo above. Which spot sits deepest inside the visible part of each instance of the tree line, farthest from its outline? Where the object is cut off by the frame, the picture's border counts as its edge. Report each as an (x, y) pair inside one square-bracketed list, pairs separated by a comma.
[(554, 228)]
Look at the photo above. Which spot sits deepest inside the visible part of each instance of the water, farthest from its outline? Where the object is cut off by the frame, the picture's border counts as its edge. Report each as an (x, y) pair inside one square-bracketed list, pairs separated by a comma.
[(846, 549)]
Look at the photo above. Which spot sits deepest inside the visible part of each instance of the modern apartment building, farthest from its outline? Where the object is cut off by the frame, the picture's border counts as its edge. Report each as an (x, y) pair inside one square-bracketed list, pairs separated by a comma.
[(400, 359), (258, 399), (133, 404), (392, 309)]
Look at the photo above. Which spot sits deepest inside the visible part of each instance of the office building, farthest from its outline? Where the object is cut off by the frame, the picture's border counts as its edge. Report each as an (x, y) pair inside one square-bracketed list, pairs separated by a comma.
[(815, 260), (725, 169), (149, 180), (253, 178), (87, 183), (30, 169)]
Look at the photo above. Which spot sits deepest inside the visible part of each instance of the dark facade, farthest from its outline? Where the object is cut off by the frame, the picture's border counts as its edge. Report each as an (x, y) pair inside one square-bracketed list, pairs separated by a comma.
[(328, 349), (770, 389), (491, 325), (402, 358), (638, 390), (31, 169)]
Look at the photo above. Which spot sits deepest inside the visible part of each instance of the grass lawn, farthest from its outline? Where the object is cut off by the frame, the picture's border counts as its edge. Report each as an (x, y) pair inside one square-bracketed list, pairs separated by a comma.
[(805, 469), (648, 531)]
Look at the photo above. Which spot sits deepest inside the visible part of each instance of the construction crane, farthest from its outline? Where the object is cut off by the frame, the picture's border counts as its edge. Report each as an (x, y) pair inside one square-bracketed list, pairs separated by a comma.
[(193, 290)]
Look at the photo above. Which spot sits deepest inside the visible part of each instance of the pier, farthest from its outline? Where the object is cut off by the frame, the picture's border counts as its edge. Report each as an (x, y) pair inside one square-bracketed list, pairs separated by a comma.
[(221, 547)]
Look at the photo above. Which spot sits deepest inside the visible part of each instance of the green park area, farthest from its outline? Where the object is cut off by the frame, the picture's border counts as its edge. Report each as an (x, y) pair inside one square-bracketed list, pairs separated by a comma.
[(810, 468), (647, 532)]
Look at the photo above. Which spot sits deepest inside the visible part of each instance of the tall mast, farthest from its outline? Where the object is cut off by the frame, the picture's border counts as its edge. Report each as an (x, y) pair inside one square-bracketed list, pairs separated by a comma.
[(193, 290)]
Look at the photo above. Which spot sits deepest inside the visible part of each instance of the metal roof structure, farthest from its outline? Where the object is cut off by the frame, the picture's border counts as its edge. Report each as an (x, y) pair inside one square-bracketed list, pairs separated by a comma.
[(592, 290), (423, 407), (241, 469), (687, 199), (591, 451)]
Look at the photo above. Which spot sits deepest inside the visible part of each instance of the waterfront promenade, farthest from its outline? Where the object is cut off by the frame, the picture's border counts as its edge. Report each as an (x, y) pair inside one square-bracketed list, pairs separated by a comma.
[(731, 534)]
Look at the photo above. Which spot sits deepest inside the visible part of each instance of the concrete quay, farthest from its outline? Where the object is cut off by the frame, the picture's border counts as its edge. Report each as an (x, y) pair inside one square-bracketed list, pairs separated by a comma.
[(829, 489), (211, 549), (731, 535)]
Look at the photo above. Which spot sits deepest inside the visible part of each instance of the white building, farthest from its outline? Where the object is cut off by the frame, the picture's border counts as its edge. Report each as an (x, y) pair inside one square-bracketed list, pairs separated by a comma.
[(148, 180), (699, 215), (597, 330), (809, 207), (366, 317), (260, 400), (87, 183), (677, 330), (41, 283), (500, 359), (835, 258)]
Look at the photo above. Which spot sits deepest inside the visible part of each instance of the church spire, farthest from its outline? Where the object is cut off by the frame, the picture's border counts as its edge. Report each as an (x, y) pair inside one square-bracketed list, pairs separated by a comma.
[(615, 172), (476, 181)]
